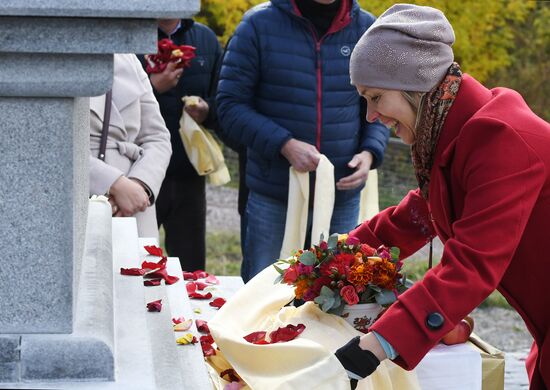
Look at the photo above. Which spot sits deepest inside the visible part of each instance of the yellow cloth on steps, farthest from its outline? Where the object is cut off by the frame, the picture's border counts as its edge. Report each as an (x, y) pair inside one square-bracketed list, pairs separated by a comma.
[(306, 362)]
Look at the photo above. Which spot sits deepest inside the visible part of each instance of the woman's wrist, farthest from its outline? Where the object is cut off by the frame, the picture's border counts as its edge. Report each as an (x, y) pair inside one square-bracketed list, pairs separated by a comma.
[(370, 342)]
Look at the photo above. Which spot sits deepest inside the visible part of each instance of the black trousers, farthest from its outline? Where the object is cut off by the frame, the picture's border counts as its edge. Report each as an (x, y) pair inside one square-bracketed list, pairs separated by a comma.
[(181, 209)]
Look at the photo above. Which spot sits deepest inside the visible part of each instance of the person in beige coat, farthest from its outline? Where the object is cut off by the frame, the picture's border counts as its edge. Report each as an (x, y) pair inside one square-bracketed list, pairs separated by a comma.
[(138, 146)]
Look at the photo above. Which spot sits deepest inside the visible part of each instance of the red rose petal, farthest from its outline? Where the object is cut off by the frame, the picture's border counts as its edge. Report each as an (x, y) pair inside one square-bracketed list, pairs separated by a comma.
[(202, 326), (132, 271), (196, 295), (189, 276), (201, 285), (151, 265), (163, 274), (206, 344), (256, 337), (155, 305), (153, 250), (287, 333), (200, 273), (218, 302), (152, 282), (178, 320), (191, 287), (212, 280)]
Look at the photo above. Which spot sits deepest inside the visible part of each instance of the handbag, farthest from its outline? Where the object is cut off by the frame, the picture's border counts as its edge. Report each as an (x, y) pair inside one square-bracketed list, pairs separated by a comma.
[(105, 128)]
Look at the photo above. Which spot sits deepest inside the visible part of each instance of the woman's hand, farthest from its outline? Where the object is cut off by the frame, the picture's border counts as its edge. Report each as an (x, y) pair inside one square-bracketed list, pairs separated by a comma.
[(360, 357), (361, 162), (302, 156), (127, 197)]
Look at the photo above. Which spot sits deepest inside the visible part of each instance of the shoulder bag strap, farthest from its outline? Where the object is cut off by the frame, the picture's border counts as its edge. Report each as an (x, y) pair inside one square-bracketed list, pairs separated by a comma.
[(105, 129)]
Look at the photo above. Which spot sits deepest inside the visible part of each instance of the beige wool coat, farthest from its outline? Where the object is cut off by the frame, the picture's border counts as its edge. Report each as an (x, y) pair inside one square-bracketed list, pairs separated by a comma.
[(138, 145)]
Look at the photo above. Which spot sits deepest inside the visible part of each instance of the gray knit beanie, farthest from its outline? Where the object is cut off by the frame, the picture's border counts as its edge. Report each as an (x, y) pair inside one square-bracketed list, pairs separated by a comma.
[(408, 48)]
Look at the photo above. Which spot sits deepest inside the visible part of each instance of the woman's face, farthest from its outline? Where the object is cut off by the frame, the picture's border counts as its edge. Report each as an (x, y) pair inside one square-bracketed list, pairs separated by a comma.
[(392, 109)]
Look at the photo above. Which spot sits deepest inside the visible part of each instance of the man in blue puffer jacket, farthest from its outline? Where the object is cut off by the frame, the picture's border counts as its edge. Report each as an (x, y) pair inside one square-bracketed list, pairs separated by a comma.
[(285, 93)]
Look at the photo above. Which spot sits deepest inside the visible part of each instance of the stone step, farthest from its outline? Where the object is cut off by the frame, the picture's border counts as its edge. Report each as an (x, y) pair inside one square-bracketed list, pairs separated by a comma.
[(176, 304)]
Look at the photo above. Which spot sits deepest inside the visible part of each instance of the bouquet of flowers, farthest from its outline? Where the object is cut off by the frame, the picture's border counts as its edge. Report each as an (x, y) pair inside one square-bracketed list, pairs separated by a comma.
[(343, 271), (169, 52)]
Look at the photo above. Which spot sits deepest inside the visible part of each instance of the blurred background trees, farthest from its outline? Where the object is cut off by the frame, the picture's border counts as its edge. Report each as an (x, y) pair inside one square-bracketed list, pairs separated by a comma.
[(500, 42)]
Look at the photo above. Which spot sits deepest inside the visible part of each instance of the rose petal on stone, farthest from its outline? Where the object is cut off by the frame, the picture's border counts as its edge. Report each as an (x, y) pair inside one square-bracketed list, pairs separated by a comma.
[(202, 326), (218, 302), (152, 282), (200, 273), (153, 250), (187, 338), (191, 287), (132, 271), (189, 276), (196, 295), (183, 326), (212, 279), (155, 305), (178, 320)]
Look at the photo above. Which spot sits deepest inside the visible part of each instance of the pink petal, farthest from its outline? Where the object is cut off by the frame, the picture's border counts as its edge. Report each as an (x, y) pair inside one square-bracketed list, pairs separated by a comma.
[(212, 280)]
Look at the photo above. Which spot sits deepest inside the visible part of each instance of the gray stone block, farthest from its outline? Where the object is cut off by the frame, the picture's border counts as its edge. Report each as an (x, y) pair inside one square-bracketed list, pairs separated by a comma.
[(95, 36), (9, 348), (36, 209), (53, 75), (65, 357), (9, 372), (102, 8)]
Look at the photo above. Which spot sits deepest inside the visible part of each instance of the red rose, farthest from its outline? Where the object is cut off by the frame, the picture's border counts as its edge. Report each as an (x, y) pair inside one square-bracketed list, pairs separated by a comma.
[(349, 295), (290, 275)]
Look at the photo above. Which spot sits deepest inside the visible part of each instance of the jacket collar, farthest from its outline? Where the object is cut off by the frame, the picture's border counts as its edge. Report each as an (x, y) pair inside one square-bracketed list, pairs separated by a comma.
[(470, 98), (341, 20)]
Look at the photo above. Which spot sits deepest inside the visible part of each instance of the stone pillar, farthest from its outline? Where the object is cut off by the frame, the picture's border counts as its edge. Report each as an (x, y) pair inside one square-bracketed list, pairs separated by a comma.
[(53, 55)]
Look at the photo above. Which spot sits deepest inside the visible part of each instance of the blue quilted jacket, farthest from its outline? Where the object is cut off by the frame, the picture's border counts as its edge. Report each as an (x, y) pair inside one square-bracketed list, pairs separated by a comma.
[(279, 80)]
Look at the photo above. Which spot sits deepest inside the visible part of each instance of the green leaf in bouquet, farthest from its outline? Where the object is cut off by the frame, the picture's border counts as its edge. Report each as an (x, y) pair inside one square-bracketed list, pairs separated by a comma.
[(333, 241), (385, 297), (326, 299), (308, 258), (375, 288), (322, 238), (394, 253), (279, 269)]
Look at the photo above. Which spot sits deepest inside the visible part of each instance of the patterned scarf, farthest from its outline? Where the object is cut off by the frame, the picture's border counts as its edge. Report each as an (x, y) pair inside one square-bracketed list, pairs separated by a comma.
[(437, 104)]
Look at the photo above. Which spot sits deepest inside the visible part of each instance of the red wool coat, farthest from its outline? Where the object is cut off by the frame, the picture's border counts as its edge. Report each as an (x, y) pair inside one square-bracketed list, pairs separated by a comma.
[(489, 203)]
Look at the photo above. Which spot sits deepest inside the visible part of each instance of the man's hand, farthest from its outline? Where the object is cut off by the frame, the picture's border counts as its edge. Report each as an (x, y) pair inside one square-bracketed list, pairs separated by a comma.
[(361, 162), (198, 111), (302, 156), (167, 79), (128, 197)]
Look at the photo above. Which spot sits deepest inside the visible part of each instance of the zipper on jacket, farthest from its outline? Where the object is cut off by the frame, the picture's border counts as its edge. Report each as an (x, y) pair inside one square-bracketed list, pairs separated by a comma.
[(319, 93)]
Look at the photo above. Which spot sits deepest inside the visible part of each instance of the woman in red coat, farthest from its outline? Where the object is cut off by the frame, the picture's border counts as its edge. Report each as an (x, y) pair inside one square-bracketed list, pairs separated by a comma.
[(482, 160)]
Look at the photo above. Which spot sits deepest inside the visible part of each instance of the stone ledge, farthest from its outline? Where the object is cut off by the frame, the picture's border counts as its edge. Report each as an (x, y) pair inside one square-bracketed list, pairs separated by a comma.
[(95, 35), (65, 357), (54, 75), (9, 348), (101, 8)]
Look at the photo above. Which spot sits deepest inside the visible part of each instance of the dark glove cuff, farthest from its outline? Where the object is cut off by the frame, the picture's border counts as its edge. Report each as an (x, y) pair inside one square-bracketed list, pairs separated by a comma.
[(359, 361)]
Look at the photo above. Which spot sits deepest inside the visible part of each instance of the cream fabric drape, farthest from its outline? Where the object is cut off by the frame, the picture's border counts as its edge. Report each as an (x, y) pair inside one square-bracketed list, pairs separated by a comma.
[(369, 205), (298, 205), (308, 361)]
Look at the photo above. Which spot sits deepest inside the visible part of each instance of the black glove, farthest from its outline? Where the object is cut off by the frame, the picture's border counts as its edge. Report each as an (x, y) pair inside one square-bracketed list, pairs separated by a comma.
[(359, 363)]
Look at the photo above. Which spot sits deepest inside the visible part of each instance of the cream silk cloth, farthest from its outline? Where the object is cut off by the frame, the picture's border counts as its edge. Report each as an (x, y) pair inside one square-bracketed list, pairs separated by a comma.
[(202, 149), (306, 362), (323, 204), (369, 204), (298, 205)]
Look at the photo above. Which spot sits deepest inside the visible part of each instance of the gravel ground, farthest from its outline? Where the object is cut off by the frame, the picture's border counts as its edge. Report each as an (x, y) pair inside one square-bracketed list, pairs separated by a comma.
[(500, 327)]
